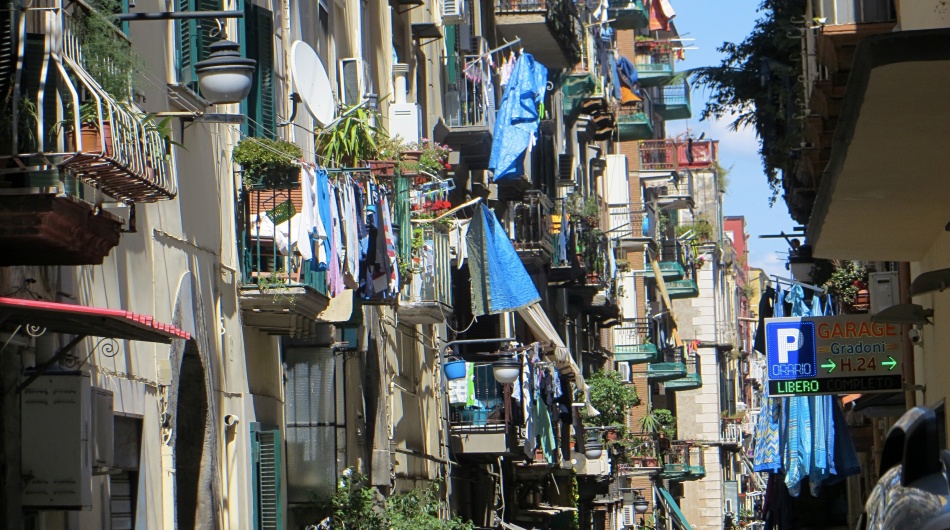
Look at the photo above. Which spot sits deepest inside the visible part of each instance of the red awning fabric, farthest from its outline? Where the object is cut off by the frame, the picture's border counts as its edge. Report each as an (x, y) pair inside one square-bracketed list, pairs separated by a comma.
[(85, 320)]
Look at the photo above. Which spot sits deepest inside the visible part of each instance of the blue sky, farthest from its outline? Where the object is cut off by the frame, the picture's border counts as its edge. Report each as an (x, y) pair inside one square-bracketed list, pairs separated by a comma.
[(710, 23)]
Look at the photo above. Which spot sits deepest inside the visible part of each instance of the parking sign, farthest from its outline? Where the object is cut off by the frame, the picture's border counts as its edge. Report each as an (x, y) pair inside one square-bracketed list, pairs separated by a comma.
[(790, 345)]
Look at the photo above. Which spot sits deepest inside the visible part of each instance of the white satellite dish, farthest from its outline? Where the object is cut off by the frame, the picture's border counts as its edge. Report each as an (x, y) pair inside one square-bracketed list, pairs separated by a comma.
[(312, 83)]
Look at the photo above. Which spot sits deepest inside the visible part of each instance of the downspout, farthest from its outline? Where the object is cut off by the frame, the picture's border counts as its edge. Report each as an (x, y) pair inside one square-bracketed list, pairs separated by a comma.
[(907, 347)]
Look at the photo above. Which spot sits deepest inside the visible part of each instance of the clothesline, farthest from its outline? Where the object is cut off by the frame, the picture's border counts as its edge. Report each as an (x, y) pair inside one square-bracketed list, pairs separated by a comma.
[(779, 279), (490, 52)]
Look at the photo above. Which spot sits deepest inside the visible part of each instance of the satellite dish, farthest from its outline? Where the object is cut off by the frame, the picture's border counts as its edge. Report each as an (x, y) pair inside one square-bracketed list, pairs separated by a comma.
[(312, 83)]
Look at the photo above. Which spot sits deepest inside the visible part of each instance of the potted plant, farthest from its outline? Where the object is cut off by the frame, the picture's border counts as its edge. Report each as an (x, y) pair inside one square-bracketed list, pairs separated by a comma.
[(96, 135), (388, 153), (352, 139), (114, 61), (25, 126), (268, 164), (424, 156)]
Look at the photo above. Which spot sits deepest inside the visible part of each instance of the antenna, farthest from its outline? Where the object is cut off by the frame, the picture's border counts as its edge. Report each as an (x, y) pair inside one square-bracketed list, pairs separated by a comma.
[(312, 83)]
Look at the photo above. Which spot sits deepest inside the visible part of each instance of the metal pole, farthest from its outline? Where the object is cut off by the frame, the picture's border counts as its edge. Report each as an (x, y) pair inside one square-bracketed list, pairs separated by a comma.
[(179, 15)]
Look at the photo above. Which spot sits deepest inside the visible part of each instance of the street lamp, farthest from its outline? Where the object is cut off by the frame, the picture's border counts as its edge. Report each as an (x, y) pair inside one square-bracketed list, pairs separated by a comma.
[(225, 76), (506, 370)]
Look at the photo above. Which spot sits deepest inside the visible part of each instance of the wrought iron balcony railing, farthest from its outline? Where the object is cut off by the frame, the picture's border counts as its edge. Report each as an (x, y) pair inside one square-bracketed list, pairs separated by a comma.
[(469, 99), (114, 147)]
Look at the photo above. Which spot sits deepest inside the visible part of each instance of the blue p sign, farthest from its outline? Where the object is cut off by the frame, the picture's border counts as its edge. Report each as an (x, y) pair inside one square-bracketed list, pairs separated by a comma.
[(790, 349)]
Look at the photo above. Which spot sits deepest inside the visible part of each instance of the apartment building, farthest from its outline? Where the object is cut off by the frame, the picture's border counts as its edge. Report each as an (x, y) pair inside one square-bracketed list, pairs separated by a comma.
[(221, 373)]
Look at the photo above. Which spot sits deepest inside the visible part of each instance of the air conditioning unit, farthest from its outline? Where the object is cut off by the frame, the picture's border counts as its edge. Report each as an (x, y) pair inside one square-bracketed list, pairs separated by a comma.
[(66, 434), (405, 120), (565, 170), (884, 290), (629, 516), (356, 82), (453, 11), (623, 368)]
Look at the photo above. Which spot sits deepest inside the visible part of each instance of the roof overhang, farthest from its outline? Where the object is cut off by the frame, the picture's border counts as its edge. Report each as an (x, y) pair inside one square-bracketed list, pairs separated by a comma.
[(86, 321), (883, 195)]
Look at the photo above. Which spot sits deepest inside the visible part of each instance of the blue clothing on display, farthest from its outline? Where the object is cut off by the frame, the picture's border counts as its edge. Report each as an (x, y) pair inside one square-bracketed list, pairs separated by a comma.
[(517, 119)]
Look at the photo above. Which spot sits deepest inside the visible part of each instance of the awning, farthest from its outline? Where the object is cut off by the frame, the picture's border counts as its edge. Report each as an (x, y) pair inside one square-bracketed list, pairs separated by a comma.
[(673, 509), (544, 330), (83, 320)]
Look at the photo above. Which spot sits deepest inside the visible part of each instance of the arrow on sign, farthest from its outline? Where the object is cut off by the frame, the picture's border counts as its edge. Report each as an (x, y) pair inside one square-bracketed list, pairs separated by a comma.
[(830, 365), (890, 363)]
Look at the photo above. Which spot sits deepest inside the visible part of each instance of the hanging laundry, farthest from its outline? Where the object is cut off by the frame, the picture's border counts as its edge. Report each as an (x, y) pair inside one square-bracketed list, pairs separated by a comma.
[(306, 226), (661, 13), (518, 118), (322, 221)]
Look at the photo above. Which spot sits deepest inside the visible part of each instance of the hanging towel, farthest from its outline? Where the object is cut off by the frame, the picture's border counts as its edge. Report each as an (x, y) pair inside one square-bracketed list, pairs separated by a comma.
[(823, 438), (307, 218), (779, 308), (768, 455), (335, 273), (661, 13), (816, 309), (797, 298), (798, 449), (322, 219)]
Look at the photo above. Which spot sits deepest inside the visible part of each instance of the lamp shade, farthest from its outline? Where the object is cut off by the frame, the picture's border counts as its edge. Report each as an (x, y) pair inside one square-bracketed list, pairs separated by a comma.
[(593, 450), (225, 76), (506, 370), (640, 505)]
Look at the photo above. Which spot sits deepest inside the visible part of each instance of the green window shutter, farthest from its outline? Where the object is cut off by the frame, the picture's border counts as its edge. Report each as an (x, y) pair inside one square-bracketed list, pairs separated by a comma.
[(194, 39), (261, 105), (265, 455)]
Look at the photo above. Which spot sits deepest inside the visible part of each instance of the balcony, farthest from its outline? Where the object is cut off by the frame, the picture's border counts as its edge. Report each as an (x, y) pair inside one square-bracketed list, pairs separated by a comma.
[(654, 61), (684, 462), (469, 112), (68, 144), (670, 366), (627, 14), (532, 235), (631, 345), (672, 102), (480, 429), (672, 190), (547, 29), (692, 380), (427, 299), (679, 289), (575, 90), (629, 227), (731, 433), (279, 292), (634, 122)]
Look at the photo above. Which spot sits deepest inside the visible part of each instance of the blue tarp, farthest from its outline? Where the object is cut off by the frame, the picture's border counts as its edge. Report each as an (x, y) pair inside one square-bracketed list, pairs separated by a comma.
[(518, 117), (499, 280), (628, 72)]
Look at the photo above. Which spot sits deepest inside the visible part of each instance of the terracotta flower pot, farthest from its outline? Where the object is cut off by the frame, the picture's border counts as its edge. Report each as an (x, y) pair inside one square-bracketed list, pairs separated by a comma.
[(382, 168), (92, 139)]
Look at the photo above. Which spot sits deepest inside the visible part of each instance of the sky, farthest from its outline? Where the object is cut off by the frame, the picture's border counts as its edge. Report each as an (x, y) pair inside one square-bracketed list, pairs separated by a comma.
[(710, 23)]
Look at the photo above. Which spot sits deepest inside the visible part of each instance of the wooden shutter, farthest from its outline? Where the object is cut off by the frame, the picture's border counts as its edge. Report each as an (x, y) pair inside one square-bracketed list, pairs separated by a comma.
[(260, 47), (265, 454), (194, 39)]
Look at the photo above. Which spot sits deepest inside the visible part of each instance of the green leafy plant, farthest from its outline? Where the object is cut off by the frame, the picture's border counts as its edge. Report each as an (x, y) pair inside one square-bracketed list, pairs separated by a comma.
[(846, 280), (162, 126), (266, 162), (659, 421), (107, 53), (702, 230), (612, 397), (586, 209), (26, 125), (420, 509), (354, 505), (433, 157), (352, 139)]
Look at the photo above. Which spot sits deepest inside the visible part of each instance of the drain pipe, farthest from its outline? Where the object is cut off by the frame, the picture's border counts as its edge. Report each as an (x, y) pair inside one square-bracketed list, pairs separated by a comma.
[(446, 460)]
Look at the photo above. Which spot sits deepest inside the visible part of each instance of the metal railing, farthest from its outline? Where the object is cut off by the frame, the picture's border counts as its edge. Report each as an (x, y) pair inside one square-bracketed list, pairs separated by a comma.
[(682, 456), (431, 266), (628, 335), (654, 62), (674, 94), (850, 12), (658, 155), (114, 147), (731, 432), (469, 99), (531, 220), (264, 263), (521, 5), (625, 222)]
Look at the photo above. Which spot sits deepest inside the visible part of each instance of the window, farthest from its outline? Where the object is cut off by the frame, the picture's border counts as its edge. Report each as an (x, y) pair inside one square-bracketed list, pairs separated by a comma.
[(194, 39), (310, 415), (259, 45), (265, 455)]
